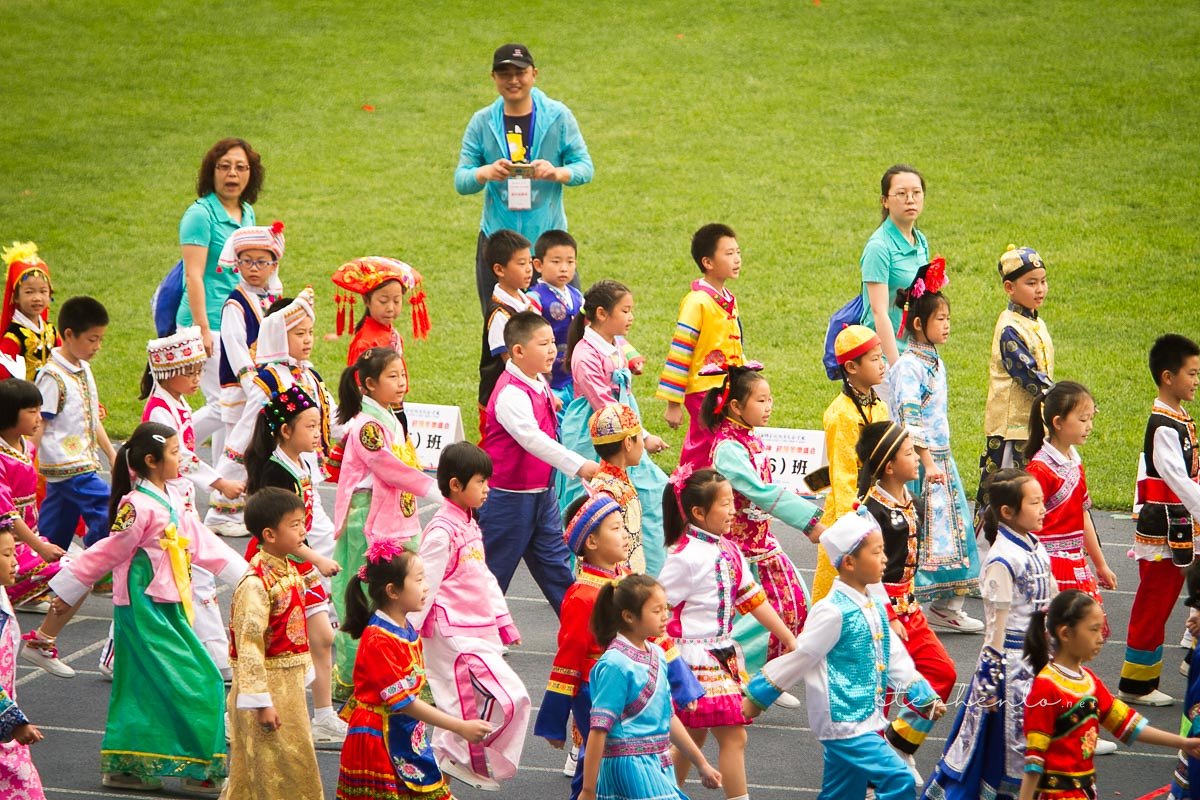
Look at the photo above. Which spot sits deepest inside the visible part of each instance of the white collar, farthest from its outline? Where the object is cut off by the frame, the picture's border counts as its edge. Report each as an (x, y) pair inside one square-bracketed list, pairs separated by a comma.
[(56, 355), (861, 599), (518, 302), (1069, 458), (1160, 404), (538, 382), (900, 502), (724, 293), (34, 325), (597, 341)]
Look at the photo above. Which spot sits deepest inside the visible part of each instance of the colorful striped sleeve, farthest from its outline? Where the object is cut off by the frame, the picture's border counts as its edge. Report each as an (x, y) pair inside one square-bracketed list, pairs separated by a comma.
[(673, 382)]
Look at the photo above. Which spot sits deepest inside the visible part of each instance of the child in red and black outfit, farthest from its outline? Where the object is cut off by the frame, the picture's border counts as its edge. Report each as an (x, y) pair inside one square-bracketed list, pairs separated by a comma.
[(889, 461), (383, 284), (1166, 536), (29, 336)]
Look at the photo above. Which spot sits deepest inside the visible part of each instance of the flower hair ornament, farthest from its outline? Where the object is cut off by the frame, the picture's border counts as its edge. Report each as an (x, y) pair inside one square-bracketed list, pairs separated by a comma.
[(929, 278), (283, 407), (380, 551), (678, 480), (719, 366)]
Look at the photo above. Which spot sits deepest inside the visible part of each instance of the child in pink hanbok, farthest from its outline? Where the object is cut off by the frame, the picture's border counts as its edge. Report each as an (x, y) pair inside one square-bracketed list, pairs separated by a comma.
[(19, 779), (465, 624), (37, 559)]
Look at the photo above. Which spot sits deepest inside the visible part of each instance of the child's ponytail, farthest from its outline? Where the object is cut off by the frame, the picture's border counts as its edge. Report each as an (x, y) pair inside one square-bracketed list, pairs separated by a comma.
[(1037, 642), (686, 491), (739, 382), (1004, 488), (147, 384), (358, 612), (258, 453), (1068, 608), (148, 440), (615, 600), (601, 294), (387, 564), (1058, 401), (349, 394)]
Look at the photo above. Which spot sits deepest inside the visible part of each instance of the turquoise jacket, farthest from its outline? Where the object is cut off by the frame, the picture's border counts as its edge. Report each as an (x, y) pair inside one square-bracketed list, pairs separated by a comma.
[(556, 138)]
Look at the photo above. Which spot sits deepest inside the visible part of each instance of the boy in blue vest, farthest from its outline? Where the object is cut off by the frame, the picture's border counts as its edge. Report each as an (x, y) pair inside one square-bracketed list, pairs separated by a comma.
[(849, 659), (252, 252), (520, 517)]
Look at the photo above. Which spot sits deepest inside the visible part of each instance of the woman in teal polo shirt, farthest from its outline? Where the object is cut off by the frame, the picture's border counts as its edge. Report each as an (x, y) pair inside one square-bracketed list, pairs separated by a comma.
[(893, 255), (231, 176)]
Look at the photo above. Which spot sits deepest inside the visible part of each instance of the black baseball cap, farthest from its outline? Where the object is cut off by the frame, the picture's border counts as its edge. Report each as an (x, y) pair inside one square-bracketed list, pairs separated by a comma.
[(516, 54)]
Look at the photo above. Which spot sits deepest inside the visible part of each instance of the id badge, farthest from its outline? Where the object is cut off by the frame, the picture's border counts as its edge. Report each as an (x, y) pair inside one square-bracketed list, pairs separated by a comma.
[(520, 194)]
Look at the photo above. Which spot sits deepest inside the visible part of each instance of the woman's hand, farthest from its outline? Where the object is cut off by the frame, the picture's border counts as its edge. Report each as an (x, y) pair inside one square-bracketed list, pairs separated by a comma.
[(207, 337), (543, 170)]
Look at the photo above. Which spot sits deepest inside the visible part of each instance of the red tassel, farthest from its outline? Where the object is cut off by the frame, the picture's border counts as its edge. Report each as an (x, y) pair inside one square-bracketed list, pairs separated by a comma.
[(340, 316), (420, 316), (350, 300)]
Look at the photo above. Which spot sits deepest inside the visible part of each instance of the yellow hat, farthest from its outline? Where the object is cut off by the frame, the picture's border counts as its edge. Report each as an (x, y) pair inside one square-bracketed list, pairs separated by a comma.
[(854, 342), (614, 422)]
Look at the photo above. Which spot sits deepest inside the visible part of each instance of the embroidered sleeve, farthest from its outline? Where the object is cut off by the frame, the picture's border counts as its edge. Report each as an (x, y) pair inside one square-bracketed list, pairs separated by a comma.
[(11, 716), (672, 383), (395, 675), (908, 392), (1041, 711), (75, 579), (750, 594), (1020, 364), (611, 691), (732, 461), (250, 619), (1121, 720)]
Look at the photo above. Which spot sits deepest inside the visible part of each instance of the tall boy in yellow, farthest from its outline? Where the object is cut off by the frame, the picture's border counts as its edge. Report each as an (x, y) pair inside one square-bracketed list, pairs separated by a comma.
[(708, 332), (860, 356), (1020, 369), (271, 754)]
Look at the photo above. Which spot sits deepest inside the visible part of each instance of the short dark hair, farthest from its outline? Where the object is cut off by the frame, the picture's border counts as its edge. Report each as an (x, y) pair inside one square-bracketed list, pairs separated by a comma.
[(80, 314), (266, 507), (1167, 354), (15, 396), (501, 246), (606, 450), (205, 182), (520, 328), (704, 241), (553, 238), (462, 460)]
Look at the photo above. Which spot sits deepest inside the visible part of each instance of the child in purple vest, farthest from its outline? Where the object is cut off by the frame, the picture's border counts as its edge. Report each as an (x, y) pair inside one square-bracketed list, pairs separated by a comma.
[(520, 517)]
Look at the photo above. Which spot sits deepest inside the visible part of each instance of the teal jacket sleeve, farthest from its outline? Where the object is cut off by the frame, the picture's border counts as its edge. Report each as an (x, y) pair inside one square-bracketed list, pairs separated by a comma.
[(574, 152), (471, 155), (732, 461)]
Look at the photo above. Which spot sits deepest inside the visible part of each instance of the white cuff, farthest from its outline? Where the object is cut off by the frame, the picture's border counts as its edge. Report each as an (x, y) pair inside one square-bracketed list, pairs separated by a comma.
[(254, 701), (68, 587), (233, 571)]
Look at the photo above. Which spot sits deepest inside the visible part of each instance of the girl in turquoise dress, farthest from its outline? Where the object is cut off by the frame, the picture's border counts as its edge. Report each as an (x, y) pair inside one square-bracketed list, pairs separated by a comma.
[(632, 722), (600, 375)]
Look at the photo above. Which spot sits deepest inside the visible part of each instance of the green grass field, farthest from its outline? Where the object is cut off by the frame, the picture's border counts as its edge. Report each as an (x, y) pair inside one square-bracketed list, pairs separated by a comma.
[(1069, 126)]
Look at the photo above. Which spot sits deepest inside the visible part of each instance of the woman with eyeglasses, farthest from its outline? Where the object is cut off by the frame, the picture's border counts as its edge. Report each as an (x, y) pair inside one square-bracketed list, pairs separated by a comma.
[(230, 178), (893, 255)]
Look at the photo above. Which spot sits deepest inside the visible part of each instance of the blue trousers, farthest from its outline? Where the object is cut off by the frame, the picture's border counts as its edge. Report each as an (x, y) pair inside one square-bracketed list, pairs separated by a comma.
[(66, 501), (526, 525), (850, 764)]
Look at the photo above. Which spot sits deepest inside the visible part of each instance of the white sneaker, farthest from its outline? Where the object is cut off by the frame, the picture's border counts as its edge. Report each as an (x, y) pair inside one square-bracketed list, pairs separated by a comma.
[(1183, 668), (33, 607), (787, 700), (208, 788), (45, 655), (1154, 698), (1187, 642), (329, 731), (572, 760), (1104, 747), (230, 530), (464, 774), (948, 620), (105, 671)]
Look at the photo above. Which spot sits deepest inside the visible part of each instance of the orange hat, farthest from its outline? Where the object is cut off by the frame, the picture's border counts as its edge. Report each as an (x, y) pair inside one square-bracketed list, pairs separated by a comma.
[(854, 342), (365, 275), (22, 261)]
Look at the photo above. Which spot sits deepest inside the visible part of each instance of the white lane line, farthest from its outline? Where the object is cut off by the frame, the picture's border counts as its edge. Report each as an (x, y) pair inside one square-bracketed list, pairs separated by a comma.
[(52, 791)]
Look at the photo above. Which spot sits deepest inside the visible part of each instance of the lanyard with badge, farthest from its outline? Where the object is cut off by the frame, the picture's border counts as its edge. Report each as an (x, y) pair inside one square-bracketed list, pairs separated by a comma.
[(520, 185)]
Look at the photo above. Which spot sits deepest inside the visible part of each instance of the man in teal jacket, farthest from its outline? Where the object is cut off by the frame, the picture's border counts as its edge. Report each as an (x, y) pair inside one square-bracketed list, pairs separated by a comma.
[(519, 151)]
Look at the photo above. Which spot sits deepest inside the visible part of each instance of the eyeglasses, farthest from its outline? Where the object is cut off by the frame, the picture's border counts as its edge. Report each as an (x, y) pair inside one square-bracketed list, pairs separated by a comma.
[(226, 166), (248, 263), (915, 194)]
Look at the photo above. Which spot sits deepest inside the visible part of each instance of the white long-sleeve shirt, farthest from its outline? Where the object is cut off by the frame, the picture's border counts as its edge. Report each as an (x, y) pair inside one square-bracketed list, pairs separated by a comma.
[(514, 412)]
